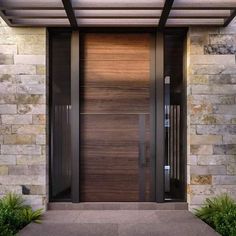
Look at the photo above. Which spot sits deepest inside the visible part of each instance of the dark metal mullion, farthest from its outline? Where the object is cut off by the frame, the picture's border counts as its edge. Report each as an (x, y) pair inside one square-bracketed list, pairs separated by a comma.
[(165, 13), (70, 13), (75, 115), (229, 19), (160, 142), (153, 114)]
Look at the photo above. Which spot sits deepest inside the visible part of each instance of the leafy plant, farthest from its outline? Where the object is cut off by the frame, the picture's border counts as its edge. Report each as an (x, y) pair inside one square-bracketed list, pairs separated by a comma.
[(15, 215), (220, 213)]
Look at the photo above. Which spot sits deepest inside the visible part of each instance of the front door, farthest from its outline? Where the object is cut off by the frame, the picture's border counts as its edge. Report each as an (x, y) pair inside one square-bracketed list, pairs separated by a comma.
[(115, 113)]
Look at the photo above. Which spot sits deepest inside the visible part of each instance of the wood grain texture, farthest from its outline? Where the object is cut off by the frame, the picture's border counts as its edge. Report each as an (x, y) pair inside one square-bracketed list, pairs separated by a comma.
[(114, 92)]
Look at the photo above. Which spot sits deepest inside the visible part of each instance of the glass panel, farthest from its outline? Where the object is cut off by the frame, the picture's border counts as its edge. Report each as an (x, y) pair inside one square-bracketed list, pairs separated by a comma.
[(60, 116), (174, 133)]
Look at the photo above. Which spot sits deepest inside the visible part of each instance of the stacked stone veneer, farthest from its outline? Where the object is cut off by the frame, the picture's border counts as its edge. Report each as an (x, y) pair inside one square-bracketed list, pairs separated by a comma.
[(211, 113), (23, 113)]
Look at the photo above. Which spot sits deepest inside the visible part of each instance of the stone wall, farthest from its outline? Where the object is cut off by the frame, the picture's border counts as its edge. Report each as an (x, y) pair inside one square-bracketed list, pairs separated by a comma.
[(23, 113), (211, 113)]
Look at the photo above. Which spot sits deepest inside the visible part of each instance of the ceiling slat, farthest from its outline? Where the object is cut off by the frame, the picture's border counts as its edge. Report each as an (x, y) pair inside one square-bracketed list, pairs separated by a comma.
[(191, 22)]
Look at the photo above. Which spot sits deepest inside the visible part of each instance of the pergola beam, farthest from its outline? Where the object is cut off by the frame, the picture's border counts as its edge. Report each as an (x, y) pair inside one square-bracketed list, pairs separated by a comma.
[(70, 13), (165, 14), (233, 14)]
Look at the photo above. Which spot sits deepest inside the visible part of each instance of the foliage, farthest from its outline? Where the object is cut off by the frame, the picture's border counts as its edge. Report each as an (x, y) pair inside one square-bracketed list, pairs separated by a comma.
[(220, 213), (15, 215)]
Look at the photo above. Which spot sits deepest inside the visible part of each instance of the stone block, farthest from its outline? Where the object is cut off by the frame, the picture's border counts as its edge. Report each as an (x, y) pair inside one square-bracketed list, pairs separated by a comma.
[(5, 129), (231, 168), (192, 160), (30, 99), (8, 49), (196, 49), (224, 180), (4, 189), (30, 160), (219, 49), (199, 79), (7, 88), (28, 129), (212, 99), (19, 139), (40, 70), (39, 119), (31, 79), (26, 31), (201, 189), (205, 139), (30, 59), (211, 119), (213, 159), (31, 89), (7, 98), (225, 109), (201, 179), (222, 39), (206, 69), (200, 199), (213, 89), (31, 109), (203, 108), (3, 170), (229, 70), (20, 149), (216, 129), (222, 79), (8, 109), (27, 170), (17, 119), (212, 59), (206, 170), (18, 69), (31, 44), (201, 149), (34, 189), (228, 149), (7, 160), (23, 180), (6, 59), (41, 139), (229, 139)]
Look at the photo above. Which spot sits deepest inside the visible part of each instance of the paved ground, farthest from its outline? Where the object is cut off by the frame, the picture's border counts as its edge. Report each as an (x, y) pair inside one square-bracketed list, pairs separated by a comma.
[(119, 223)]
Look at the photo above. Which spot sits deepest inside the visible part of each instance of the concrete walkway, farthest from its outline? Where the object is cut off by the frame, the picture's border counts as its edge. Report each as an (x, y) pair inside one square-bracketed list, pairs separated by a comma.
[(119, 223)]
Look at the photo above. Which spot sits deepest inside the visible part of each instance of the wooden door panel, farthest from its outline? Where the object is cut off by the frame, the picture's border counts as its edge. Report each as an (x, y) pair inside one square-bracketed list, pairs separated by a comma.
[(114, 92), (130, 47), (115, 100)]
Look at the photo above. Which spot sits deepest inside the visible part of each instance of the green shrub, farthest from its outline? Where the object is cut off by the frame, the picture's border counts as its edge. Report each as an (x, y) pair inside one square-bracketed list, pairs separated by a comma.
[(15, 215), (220, 213)]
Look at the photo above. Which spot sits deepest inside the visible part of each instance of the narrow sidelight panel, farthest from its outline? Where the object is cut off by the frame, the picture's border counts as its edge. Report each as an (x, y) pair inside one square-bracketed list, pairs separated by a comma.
[(75, 114)]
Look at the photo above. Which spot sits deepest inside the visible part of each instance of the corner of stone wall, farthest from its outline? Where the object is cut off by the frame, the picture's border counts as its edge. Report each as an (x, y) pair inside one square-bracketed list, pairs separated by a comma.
[(23, 113), (211, 113)]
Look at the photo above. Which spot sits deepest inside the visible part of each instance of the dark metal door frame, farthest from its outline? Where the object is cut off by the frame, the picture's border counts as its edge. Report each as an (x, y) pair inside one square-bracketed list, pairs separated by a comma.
[(157, 111)]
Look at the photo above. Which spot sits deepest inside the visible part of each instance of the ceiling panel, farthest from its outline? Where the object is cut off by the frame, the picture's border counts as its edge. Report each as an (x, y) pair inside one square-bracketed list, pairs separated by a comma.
[(117, 13)]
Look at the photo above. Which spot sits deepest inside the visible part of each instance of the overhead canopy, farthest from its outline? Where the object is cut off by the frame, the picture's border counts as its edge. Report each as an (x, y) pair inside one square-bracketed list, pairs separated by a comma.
[(87, 13)]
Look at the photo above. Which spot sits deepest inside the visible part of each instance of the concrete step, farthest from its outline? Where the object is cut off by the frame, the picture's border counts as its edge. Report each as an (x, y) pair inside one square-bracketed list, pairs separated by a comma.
[(118, 206)]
